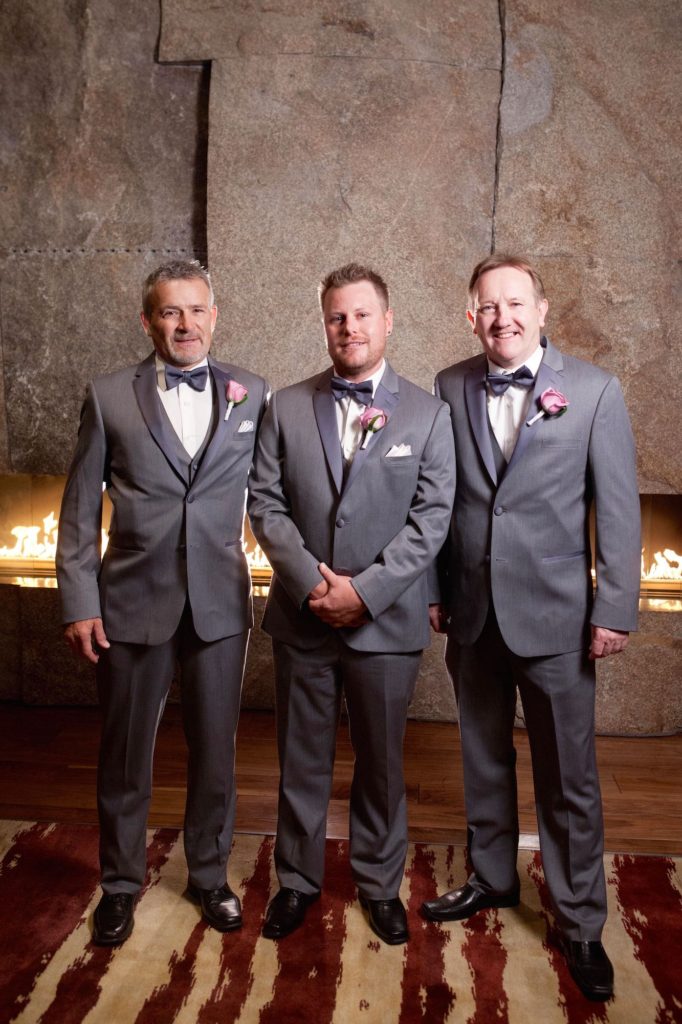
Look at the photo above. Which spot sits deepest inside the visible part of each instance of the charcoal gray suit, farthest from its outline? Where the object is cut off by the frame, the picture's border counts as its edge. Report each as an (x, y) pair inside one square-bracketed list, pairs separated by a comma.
[(515, 576), (382, 525), (173, 583)]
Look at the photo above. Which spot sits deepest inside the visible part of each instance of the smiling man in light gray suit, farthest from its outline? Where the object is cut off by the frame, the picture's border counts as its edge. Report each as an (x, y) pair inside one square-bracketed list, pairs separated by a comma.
[(350, 499), (540, 437), (172, 440)]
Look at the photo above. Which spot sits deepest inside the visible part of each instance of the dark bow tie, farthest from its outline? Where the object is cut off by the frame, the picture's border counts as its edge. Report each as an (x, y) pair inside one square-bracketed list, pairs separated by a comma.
[(362, 392), (499, 382), (196, 378)]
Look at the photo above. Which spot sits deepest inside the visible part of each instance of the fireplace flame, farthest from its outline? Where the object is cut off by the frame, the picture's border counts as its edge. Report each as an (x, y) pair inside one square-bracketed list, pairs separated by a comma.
[(666, 565), (33, 545)]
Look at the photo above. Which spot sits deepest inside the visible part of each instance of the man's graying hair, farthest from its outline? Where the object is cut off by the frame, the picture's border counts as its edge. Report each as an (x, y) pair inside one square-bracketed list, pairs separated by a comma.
[(351, 273), (175, 270), (501, 259)]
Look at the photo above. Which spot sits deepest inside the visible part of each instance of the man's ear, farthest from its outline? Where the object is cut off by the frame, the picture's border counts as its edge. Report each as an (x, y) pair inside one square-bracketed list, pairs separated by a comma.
[(472, 320), (145, 323)]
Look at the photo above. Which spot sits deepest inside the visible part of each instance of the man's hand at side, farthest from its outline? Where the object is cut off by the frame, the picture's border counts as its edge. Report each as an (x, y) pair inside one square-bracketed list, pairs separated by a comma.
[(438, 618), (80, 636), (607, 641), (341, 605)]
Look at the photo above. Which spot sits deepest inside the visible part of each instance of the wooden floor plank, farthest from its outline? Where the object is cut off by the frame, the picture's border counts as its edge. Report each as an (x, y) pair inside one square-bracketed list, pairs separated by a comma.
[(48, 767)]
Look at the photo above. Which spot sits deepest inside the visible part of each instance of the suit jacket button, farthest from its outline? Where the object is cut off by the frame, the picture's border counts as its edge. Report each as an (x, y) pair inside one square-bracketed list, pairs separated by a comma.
[(190, 499), (340, 522), (499, 510)]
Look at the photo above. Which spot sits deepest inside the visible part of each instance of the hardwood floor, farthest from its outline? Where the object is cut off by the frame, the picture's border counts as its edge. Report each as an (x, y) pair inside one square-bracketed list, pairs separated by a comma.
[(49, 755)]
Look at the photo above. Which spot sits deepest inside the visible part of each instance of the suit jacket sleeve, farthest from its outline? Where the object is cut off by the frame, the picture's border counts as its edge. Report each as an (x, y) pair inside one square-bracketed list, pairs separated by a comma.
[(270, 515), (78, 557), (435, 577), (414, 547), (617, 512)]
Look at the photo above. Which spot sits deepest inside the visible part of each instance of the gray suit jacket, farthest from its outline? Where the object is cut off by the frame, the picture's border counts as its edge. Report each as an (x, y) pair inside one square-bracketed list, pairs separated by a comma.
[(525, 540), (176, 530), (383, 527)]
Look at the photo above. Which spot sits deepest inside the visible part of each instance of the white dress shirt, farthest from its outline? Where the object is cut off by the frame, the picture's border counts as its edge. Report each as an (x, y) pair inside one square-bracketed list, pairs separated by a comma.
[(348, 413), (508, 411), (188, 410)]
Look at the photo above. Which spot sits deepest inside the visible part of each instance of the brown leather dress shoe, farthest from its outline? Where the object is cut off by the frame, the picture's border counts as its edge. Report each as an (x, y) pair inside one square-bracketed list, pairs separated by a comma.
[(387, 919), (590, 969), (286, 912), (219, 907), (462, 903), (114, 918)]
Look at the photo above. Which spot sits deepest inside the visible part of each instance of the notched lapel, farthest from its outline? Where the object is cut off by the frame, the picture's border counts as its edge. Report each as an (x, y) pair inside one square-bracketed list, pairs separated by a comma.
[(223, 429), (476, 398), (385, 398), (324, 407), (144, 385)]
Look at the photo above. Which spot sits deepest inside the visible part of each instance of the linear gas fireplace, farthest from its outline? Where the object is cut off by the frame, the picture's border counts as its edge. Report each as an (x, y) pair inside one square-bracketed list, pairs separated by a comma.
[(29, 511)]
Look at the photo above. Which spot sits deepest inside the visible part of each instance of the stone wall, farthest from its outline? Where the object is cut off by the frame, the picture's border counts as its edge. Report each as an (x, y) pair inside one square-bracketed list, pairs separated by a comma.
[(417, 136)]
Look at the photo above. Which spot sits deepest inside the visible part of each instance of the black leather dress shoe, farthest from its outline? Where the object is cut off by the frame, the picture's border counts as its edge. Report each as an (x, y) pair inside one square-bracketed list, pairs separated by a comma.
[(590, 969), (219, 907), (387, 919), (286, 912), (462, 903), (114, 918)]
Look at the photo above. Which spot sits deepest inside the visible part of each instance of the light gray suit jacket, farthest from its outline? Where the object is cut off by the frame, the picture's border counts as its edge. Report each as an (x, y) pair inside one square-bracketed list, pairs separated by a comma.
[(525, 540), (176, 530), (383, 527)]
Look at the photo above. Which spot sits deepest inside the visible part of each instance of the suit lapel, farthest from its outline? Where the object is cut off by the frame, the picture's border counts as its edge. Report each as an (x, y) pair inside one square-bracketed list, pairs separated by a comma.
[(549, 376), (385, 398), (159, 425), (324, 407), (223, 429), (476, 398)]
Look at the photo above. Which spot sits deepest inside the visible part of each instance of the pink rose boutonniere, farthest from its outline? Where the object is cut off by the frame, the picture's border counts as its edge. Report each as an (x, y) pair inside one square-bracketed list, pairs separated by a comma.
[(552, 403), (371, 421), (236, 394)]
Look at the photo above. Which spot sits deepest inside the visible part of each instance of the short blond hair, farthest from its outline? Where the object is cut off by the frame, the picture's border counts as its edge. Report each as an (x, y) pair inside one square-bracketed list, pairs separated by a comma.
[(351, 273)]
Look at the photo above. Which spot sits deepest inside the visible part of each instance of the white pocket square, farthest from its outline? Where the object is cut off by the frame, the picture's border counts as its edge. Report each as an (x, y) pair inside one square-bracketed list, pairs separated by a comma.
[(399, 451), (245, 427)]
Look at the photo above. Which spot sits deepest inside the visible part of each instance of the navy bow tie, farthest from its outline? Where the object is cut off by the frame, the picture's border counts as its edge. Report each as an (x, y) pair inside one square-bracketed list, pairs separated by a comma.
[(196, 378), (499, 382), (362, 392)]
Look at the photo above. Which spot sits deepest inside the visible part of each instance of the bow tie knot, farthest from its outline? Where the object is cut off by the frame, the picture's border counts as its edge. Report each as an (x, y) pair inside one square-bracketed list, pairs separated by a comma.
[(500, 382), (196, 378), (362, 393)]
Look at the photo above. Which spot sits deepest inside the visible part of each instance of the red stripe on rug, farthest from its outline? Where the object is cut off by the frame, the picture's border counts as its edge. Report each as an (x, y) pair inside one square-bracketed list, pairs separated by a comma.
[(47, 880), (238, 947), (577, 1009), (487, 959), (651, 910), (426, 993), (310, 962), (80, 985)]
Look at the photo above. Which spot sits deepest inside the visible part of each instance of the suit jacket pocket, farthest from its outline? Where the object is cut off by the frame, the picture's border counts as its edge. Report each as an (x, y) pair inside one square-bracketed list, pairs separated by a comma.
[(563, 558), (561, 442)]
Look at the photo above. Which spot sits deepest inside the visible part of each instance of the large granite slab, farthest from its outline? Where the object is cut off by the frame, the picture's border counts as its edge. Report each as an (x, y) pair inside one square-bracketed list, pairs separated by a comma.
[(313, 163), (102, 177), (589, 187)]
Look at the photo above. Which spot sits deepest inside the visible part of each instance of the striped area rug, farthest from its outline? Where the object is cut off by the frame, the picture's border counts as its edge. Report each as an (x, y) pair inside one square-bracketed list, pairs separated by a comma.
[(502, 967)]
